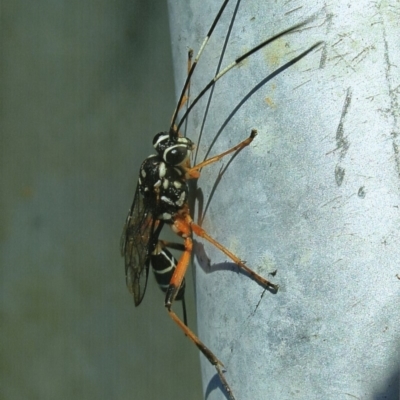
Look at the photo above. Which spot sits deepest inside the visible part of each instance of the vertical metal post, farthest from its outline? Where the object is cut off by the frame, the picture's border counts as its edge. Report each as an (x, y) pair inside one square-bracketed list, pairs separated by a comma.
[(315, 198)]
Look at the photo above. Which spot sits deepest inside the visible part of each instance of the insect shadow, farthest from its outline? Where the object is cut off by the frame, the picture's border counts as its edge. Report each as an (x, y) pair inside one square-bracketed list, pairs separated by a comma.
[(214, 384), (199, 252), (204, 261)]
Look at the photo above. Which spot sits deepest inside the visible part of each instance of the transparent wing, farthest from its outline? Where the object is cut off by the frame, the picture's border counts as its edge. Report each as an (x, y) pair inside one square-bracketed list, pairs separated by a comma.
[(138, 237)]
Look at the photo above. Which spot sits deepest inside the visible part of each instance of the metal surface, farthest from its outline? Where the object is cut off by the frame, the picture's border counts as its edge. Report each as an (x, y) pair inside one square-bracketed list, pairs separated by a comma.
[(316, 197)]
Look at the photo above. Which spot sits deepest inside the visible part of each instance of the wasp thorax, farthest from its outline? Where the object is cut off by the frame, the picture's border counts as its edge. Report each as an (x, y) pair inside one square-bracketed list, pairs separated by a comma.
[(173, 149)]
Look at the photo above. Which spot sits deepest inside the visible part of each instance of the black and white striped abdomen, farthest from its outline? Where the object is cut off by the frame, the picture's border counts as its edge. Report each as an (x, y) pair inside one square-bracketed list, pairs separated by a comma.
[(164, 264)]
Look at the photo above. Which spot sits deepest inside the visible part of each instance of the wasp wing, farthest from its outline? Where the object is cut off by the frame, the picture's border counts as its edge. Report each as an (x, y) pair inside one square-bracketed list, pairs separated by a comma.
[(137, 240)]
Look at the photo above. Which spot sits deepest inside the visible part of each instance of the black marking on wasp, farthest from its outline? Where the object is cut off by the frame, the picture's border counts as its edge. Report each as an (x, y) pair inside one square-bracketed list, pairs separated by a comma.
[(161, 197), (140, 244)]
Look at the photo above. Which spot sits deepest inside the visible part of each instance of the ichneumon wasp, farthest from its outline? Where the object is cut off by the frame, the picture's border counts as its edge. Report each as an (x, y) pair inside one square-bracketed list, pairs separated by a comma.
[(161, 198)]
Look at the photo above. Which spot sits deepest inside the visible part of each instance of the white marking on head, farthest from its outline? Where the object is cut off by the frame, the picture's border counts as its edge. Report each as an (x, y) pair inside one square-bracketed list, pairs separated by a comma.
[(184, 140), (165, 183), (161, 138)]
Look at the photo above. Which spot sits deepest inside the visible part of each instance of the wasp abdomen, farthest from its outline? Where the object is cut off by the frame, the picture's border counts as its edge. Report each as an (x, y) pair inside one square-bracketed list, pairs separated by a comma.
[(164, 264)]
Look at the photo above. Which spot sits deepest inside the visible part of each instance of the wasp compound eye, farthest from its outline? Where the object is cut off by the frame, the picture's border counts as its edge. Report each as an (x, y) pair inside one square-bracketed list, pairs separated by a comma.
[(174, 155), (173, 150)]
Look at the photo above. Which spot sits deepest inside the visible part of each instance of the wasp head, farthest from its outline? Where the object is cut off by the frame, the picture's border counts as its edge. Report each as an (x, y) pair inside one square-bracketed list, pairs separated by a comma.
[(174, 150)]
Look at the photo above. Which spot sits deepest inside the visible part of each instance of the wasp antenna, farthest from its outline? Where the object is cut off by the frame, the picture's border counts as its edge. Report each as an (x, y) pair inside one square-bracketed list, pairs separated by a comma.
[(236, 62), (193, 67)]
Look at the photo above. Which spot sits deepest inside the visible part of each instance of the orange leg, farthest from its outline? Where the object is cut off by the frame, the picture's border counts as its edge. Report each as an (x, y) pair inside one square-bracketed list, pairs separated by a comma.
[(184, 226), (194, 172), (179, 273), (205, 350), (172, 291), (202, 233)]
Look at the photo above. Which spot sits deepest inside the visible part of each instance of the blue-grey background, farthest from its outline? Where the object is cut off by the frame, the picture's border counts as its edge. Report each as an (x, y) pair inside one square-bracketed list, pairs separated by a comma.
[(315, 198), (84, 87)]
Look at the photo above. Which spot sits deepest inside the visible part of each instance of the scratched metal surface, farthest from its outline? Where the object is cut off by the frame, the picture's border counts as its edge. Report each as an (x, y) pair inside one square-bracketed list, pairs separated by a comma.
[(315, 197), (84, 87)]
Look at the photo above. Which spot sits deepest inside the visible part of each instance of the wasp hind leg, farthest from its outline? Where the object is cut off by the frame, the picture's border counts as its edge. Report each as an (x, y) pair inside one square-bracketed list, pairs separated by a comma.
[(172, 292), (199, 231)]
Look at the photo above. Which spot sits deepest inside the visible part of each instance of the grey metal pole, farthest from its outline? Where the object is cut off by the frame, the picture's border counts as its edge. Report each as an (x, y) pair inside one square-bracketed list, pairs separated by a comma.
[(314, 198)]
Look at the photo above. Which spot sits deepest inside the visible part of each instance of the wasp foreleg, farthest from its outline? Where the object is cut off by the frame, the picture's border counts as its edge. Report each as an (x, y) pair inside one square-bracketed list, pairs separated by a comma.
[(194, 172)]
